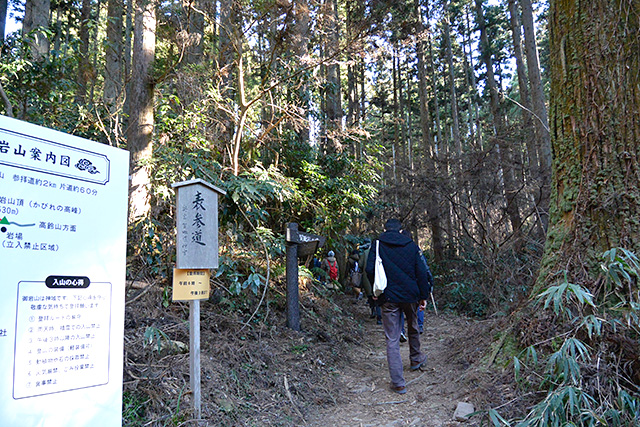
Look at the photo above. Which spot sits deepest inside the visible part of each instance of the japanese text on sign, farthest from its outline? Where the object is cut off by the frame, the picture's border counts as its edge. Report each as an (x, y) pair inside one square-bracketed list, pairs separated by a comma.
[(190, 284), (63, 337), (198, 220), (31, 153)]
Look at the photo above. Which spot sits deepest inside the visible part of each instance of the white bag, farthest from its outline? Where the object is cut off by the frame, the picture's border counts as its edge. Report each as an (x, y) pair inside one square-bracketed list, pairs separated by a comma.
[(380, 277)]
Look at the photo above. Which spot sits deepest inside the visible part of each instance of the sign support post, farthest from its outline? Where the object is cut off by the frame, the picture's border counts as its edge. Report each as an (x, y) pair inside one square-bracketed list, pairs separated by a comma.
[(197, 252), (194, 356), (299, 245), (293, 305)]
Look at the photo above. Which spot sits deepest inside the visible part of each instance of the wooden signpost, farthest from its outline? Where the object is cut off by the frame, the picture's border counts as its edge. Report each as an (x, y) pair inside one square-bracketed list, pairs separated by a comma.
[(197, 252), (299, 244)]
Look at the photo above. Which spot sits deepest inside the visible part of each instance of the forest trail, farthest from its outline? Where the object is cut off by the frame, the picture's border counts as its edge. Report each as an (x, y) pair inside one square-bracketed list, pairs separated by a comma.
[(454, 373)]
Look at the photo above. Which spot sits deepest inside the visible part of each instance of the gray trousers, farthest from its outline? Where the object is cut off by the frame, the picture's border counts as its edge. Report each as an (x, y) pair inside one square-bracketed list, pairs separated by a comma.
[(392, 328)]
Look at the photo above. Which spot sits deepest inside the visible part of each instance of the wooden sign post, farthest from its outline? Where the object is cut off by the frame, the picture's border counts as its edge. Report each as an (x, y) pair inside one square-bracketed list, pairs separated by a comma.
[(197, 252), (299, 244)]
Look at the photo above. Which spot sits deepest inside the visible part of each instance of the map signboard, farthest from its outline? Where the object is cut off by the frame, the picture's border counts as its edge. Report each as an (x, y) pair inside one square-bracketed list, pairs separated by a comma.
[(63, 218)]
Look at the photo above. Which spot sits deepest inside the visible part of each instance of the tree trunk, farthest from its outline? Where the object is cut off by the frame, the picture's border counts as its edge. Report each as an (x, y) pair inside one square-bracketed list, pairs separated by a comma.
[(539, 108), (354, 11), (433, 209), (595, 129), (334, 92), (3, 20), (94, 51), (228, 61), (140, 131), (523, 84), (506, 159), (455, 118), (128, 30), (36, 19), (195, 48), (474, 112), (302, 50), (528, 127), (84, 64), (113, 81)]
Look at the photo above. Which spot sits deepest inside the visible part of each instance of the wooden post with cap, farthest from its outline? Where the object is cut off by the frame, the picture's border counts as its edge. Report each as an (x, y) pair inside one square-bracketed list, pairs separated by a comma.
[(196, 249), (293, 304)]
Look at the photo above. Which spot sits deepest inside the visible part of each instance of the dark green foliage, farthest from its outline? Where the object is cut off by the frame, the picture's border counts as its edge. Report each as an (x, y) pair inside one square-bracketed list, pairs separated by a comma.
[(465, 298)]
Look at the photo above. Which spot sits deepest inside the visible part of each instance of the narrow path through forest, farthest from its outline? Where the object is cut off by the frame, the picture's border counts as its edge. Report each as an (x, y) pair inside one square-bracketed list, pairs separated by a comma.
[(454, 373)]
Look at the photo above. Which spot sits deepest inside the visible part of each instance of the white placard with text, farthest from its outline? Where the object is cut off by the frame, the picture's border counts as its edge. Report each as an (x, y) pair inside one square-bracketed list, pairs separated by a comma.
[(63, 225)]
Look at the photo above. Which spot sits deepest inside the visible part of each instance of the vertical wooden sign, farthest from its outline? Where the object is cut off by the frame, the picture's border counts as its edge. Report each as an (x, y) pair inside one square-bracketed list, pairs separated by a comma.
[(196, 249)]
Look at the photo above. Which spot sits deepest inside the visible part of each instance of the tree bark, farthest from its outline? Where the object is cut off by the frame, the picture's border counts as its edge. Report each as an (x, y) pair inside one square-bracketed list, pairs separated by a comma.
[(140, 131), (334, 91), (113, 82), (302, 50), (195, 48), (128, 31), (595, 129), (3, 20), (36, 19), (436, 103), (84, 65)]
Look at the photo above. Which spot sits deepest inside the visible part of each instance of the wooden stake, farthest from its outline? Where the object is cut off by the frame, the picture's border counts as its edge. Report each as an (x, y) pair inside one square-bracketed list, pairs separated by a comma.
[(194, 356)]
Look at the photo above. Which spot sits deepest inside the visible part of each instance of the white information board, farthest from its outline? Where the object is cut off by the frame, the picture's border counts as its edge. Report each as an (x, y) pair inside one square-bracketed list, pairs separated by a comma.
[(63, 227)]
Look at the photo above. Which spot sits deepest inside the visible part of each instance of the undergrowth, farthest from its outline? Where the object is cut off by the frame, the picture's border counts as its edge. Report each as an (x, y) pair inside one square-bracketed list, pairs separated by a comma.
[(588, 373)]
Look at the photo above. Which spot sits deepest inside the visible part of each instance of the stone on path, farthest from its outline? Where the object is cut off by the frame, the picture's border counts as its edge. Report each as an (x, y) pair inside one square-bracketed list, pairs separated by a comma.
[(462, 411)]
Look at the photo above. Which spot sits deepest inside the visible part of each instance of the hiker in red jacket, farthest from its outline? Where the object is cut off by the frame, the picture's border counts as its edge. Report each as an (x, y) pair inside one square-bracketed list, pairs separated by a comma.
[(330, 266)]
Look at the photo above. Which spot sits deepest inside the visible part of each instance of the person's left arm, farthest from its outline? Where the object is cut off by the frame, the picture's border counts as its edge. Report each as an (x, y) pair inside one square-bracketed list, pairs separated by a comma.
[(423, 275)]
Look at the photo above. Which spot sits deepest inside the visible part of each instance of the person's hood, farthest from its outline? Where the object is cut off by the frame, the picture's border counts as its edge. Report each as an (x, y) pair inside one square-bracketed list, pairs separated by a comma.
[(394, 238), (331, 258)]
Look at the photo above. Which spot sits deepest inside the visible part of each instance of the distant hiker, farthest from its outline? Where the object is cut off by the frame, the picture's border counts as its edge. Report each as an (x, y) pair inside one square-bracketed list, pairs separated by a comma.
[(376, 313), (330, 266), (354, 269), (408, 288), (317, 269)]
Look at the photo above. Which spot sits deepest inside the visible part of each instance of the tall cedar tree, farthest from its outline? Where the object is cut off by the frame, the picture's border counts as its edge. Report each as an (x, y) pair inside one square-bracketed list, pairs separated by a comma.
[(595, 133)]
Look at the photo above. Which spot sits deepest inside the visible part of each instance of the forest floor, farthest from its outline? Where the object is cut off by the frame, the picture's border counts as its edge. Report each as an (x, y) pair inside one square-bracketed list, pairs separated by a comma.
[(332, 373)]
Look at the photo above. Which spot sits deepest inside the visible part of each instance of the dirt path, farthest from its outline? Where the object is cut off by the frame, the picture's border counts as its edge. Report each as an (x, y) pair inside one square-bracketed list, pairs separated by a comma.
[(452, 374)]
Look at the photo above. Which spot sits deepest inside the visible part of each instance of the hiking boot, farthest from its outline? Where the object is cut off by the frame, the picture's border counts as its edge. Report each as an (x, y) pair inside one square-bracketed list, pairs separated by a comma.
[(418, 366), (403, 337), (400, 389)]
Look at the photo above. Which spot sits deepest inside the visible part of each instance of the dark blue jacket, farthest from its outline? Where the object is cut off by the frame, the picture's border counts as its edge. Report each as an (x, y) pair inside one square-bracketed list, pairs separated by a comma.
[(408, 277)]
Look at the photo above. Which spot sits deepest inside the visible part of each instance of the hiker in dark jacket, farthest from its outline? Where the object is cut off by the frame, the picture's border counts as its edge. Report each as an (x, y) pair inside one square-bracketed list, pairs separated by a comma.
[(354, 271), (408, 287)]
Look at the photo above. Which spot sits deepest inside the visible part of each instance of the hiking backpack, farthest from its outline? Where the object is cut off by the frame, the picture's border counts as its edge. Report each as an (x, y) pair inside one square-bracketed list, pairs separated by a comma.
[(333, 270)]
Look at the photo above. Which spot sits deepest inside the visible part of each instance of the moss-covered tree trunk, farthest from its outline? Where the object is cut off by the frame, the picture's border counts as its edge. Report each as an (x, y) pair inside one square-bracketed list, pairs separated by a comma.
[(595, 133)]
